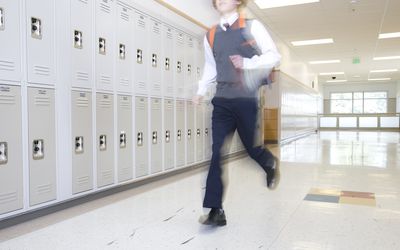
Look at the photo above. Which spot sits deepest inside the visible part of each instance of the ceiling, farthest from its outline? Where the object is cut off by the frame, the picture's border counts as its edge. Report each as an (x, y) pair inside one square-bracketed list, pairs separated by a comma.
[(354, 25)]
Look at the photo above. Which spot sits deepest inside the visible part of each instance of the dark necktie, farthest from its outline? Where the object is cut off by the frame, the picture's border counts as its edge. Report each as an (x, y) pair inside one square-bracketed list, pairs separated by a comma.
[(226, 25)]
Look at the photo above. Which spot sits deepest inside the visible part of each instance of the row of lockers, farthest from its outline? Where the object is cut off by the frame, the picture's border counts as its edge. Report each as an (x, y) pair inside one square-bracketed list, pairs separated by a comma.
[(151, 135), (133, 52)]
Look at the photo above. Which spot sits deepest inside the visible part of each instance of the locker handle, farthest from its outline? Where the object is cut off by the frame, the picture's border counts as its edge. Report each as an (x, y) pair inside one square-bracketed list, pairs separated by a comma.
[(3, 153), (179, 67), (122, 51), (122, 140), (102, 46), (79, 144), (155, 137), (2, 17), (189, 134), (198, 132), (154, 60), (140, 139), (189, 69), (103, 142), (36, 28), (38, 149), (167, 63), (179, 135), (78, 39), (167, 136), (139, 56)]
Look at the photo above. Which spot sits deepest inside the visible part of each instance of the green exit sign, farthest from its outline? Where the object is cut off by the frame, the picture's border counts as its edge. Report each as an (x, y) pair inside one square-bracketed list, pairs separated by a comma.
[(356, 60)]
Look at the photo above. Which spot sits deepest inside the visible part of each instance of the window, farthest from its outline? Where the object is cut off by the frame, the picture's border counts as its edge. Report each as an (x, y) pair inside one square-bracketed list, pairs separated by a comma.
[(359, 102)]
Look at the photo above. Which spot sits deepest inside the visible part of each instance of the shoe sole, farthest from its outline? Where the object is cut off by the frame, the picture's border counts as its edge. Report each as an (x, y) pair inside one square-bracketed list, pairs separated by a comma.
[(277, 174), (205, 221)]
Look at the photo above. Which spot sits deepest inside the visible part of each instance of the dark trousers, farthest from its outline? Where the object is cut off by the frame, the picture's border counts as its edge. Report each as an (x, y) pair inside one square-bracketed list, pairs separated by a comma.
[(229, 115)]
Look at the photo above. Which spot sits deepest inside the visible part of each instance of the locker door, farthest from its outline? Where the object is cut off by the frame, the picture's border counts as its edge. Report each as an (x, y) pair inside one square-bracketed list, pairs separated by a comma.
[(208, 131), (105, 139), (156, 136), (199, 132), (169, 62), (189, 76), (126, 19), (105, 45), (81, 35), (169, 134), (179, 64), (10, 40), (82, 142), (155, 59), (11, 192), (190, 132), (141, 44), (40, 41), (180, 133), (125, 148), (199, 63), (42, 146), (142, 140)]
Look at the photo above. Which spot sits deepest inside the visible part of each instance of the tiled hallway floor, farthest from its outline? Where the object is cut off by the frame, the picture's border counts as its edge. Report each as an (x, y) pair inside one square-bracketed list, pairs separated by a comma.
[(164, 214)]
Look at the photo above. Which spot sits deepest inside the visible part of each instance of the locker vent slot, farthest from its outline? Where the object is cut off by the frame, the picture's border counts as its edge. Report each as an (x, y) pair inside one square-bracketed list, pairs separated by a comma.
[(105, 103), (41, 70), (105, 79), (125, 16), (84, 1), (42, 101), (169, 105), (169, 89), (82, 76), (82, 102), (141, 23), (141, 104), (83, 181), (125, 171), (104, 7), (106, 174), (142, 85), (156, 28), (124, 82), (190, 42), (180, 39), (156, 87), (7, 65), (7, 99), (8, 197), (125, 104), (169, 34), (44, 189)]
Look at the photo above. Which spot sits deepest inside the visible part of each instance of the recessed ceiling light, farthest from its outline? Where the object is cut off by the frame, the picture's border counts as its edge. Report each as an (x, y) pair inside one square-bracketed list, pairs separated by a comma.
[(386, 58), (331, 73), (379, 79), (312, 42), (266, 4), (389, 35), (356, 76), (324, 62), (384, 70), (337, 81)]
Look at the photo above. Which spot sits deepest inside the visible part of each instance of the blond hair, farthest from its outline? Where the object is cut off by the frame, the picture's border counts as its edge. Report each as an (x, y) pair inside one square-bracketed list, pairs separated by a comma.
[(242, 4)]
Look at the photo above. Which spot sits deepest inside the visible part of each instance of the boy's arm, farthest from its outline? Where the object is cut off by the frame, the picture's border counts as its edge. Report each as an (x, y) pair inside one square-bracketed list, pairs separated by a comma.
[(210, 72), (269, 57)]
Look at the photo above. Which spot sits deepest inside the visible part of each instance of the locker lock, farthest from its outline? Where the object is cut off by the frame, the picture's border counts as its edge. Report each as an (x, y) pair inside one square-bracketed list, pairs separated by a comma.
[(179, 135), (36, 28), (38, 149), (122, 139), (154, 137), (167, 136), (3, 153), (140, 139), (198, 132), (78, 39), (154, 60), (206, 131), (103, 142), (167, 63), (189, 134), (102, 46), (79, 144), (189, 67), (122, 51), (179, 67), (139, 56), (2, 19)]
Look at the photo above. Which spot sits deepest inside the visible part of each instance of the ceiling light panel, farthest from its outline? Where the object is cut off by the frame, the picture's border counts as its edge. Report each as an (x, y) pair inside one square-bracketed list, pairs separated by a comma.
[(324, 62), (389, 35), (331, 73), (313, 42), (266, 4)]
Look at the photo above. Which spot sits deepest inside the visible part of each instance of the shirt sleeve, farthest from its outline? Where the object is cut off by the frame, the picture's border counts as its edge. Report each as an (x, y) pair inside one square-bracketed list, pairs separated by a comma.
[(210, 72), (270, 56)]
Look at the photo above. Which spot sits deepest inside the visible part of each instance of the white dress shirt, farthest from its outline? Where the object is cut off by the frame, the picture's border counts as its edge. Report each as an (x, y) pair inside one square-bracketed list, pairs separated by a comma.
[(268, 59)]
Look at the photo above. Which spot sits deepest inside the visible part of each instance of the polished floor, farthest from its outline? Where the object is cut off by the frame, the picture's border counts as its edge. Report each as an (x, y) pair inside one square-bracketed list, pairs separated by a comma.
[(360, 166)]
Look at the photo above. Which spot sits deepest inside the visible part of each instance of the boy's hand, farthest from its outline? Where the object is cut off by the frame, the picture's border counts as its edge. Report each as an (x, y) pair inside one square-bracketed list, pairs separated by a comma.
[(237, 61), (197, 99)]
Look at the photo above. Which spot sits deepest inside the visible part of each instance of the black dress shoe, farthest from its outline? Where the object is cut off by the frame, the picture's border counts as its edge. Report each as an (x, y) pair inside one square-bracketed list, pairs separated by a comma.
[(216, 217), (273, 175)]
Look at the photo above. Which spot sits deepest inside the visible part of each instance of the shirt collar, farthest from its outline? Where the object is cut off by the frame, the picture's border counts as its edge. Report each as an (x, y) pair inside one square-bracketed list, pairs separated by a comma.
[(230, 20)]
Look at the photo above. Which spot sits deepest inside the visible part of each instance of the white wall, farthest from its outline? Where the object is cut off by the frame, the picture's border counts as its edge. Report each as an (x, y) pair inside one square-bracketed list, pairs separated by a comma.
[(398, 97), (391, 88)]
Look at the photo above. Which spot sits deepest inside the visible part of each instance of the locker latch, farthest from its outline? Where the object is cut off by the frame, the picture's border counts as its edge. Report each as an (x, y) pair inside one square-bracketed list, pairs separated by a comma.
[(36, 28), (79, 144), (122, 51), (38, 149), (154, 137), (179, 67), (154, 60), (103, 142), (189, 134), (2, 19), (78, 39), (122, 139), (167, 63), (179, 135), (3, 153), (198, 132), (139, 56), (140, 139), (206, 131), (189, 67), (167, 136), (102, 46), (198, 72)]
